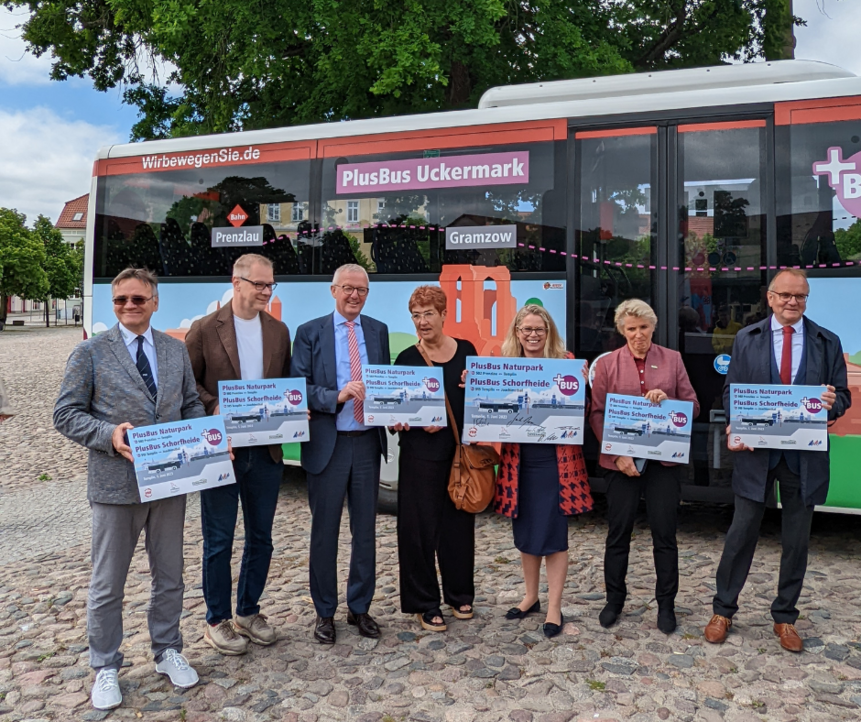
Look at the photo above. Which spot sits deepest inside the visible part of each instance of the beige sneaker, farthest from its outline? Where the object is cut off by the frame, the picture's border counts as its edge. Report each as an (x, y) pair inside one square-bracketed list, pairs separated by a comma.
[(256, 628), (224, 638)]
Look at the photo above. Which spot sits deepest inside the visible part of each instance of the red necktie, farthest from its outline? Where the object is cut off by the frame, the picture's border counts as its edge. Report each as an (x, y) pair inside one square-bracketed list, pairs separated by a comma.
[(786, 356), (355, 368)]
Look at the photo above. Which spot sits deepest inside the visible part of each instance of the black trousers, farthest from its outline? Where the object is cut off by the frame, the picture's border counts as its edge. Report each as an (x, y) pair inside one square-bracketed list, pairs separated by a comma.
[(431, 529), (662, 489), (352, 473), (741, 539)]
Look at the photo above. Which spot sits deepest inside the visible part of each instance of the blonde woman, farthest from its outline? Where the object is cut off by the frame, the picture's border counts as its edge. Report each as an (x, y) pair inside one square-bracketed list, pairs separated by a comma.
[(540, 485)]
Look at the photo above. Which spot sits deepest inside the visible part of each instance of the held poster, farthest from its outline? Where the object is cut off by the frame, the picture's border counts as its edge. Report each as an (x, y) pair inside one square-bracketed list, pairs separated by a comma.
[(411, 395), (778, 417), (266, 411), (536, 401), (180, 457), (634, 426)]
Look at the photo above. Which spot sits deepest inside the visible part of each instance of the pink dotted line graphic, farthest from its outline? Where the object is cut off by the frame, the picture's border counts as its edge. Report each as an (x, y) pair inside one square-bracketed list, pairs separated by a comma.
[(542, 249), (700, 269)]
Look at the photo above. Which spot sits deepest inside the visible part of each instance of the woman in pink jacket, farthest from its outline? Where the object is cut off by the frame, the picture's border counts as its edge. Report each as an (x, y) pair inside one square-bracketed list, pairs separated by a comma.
[(640, 368)]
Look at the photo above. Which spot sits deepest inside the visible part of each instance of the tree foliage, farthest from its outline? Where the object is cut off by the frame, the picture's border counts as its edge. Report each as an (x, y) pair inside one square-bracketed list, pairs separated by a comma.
[(22, 257), (246, 64), (60, 264)]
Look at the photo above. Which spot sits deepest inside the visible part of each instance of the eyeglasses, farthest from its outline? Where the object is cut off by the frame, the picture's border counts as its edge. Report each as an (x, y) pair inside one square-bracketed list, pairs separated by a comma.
[(527, 331), (259, 286), (786, 297), (349, 290), (136, 300), (426, 316)]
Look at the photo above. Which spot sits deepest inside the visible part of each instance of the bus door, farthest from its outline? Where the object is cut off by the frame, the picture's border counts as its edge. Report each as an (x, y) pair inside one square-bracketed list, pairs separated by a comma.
[(674, 214), (719, 189)]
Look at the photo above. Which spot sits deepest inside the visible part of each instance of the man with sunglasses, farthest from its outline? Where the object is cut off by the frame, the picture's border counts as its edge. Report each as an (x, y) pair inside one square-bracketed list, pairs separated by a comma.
[(786, 348), (128, 376), (342, 458), (240, 341)]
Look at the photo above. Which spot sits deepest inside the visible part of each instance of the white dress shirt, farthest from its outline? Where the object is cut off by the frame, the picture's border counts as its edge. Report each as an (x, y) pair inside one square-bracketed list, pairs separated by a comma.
[(131, 341), (797, 343)]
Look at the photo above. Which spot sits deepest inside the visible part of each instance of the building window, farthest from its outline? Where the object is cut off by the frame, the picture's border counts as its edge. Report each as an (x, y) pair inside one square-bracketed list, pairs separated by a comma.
[(381, 208), (273, 212), (298, 213), (352, 211), (78, 216)]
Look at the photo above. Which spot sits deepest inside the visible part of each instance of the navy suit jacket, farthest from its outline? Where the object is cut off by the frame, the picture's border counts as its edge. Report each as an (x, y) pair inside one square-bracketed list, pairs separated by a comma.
[(314, 359), (751, 363)]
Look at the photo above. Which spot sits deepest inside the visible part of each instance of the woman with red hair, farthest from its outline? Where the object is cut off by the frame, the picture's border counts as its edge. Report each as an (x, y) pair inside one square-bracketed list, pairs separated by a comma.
[(430, 528)]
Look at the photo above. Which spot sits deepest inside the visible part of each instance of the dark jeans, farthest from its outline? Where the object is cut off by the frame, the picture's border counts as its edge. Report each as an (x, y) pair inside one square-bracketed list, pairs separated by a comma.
[(741, 539), (353, 473), (258, 479), (662, 489)]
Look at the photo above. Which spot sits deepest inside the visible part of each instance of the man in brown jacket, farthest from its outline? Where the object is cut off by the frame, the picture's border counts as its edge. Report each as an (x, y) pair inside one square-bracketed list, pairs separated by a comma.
[(240, 341)]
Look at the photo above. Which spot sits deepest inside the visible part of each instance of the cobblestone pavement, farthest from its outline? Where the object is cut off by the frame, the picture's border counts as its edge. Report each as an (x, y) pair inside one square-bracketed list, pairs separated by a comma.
[(483, 669)]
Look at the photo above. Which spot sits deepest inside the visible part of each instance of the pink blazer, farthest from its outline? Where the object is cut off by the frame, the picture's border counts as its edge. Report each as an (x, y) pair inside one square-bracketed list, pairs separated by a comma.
[(617, 373)]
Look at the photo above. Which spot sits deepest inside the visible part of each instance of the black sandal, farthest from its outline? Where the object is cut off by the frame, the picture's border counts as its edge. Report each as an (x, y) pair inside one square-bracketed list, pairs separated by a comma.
[(426, 620), (460, 614)]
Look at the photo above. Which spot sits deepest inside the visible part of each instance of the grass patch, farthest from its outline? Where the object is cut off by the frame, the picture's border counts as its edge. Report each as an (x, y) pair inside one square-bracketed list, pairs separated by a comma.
[(44, 477), (43, 657), (595, 685)]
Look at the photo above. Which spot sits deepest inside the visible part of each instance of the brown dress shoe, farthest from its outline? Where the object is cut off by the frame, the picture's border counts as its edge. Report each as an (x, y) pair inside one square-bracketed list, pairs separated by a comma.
[(789, 638), (716, 629)]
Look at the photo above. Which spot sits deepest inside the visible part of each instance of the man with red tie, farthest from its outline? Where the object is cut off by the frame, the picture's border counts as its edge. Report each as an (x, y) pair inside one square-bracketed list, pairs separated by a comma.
[(786, 348), (342, 457)]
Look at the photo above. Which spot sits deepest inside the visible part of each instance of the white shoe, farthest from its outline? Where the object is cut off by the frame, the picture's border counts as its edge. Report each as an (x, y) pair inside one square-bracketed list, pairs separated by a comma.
[(224, 638), (175, 666), (106, 690)]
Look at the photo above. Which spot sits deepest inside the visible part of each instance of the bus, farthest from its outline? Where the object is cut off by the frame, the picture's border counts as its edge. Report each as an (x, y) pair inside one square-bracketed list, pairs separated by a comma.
[(685, 188)]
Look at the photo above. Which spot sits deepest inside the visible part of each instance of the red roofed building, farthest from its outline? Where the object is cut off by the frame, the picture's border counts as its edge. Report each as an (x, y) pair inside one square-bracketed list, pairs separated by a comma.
[(72, 222)]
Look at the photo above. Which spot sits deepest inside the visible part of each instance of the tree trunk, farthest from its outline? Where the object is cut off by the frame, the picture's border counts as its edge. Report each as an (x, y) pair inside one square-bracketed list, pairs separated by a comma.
[(4, 302), (47, 312), (778, 41)]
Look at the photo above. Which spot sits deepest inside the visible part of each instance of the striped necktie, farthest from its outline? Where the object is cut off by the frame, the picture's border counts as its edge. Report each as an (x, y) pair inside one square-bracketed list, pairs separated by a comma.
[(355, 369), (142, 362)]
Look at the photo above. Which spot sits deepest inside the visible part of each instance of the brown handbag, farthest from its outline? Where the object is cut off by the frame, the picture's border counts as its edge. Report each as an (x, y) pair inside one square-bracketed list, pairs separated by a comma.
[(472, 480)]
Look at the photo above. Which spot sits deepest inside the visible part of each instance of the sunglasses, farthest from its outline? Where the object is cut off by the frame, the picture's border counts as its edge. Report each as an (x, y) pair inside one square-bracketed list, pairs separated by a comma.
[(136, 300)]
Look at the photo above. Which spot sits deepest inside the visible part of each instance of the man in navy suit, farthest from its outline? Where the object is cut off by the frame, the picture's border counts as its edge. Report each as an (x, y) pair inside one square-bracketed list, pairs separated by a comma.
[(786, 348), (342, 457)]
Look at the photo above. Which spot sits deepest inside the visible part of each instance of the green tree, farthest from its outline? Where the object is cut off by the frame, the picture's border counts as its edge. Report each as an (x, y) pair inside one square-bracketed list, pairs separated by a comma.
[(247, 65), (848, 241), (22, 257), (59, 265)]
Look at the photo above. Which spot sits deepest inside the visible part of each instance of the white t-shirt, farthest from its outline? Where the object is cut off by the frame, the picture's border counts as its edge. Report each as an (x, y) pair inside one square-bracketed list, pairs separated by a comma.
[(249, 343)]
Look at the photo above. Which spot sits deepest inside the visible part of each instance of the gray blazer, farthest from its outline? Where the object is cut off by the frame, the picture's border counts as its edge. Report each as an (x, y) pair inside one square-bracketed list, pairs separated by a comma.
[(102, 388)]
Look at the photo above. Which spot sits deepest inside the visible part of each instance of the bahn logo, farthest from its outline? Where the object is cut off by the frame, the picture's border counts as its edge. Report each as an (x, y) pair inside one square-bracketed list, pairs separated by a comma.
[(237, 216)]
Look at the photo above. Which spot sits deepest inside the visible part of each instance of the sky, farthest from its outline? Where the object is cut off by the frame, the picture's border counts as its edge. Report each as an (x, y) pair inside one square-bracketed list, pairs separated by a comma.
[(51, 131)]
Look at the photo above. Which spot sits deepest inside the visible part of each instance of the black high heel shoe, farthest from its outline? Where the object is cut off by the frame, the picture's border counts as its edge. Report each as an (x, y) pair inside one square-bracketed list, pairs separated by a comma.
[(551, 630), (518, 613)]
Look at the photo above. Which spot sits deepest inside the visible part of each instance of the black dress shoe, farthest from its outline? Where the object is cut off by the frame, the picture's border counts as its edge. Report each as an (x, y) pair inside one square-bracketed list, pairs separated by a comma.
[(551, 630), (667, 620), (609, 614), (324, 630), (518, 613), (366, 624)]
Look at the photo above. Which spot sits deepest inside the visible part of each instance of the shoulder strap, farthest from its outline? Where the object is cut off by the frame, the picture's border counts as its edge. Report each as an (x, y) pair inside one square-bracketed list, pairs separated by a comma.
[(451, 418)]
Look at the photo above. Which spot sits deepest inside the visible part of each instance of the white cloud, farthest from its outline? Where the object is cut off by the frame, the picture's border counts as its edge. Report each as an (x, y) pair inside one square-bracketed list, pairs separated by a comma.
[(17, 66), (47, 160), (832, 32)]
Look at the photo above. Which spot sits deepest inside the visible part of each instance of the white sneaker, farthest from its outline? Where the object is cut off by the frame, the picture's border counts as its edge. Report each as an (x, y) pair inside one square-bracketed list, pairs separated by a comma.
[(256, 628), (106, 690), (175, 666)]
